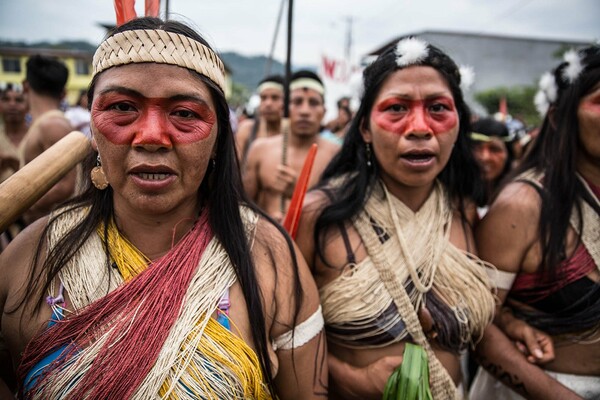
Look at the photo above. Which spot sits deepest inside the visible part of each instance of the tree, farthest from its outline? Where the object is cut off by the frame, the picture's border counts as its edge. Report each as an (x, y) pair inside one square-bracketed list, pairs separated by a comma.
[(519, 100), (239, 95)]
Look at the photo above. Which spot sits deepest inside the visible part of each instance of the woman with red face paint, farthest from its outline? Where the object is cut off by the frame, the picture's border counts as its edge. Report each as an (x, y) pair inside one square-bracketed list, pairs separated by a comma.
[(492, 147), (387, 232), (543, 233), (161, 279)]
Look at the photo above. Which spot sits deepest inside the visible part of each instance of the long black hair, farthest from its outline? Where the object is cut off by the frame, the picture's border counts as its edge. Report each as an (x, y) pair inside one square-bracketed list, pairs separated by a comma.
[(554, 153), (221, 191), (460, 177)]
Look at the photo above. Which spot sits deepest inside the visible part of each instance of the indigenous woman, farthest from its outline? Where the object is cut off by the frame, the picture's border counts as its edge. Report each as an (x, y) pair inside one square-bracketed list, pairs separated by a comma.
[(160, 280), (492, 148), (543, 232), (387, 232)]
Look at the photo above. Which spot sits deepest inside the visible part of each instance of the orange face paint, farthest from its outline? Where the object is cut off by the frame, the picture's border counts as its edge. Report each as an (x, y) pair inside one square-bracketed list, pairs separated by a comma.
[(401, 116), (126, 117)]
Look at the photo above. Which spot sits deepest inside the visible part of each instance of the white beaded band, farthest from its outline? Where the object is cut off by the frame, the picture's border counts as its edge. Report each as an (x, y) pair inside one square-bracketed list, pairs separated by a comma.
[(162, 47)]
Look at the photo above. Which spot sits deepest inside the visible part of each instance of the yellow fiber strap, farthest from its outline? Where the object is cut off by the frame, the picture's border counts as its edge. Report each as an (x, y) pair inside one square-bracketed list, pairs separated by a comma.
[(231, 353), (219, 346), (130, 261)]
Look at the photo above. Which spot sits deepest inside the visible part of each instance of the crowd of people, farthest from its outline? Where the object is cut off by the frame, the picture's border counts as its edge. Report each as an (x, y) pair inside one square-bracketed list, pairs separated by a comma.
[(160, 267)]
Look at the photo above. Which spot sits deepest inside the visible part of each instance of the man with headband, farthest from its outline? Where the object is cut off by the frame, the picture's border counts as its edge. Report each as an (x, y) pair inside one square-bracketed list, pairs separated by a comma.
[(273, 164), (268, 122), (161, 280)]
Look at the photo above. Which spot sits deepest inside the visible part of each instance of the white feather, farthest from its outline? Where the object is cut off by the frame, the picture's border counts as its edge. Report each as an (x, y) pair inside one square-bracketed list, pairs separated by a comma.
[(574, 67), (411, 51), (541, 103), (548, 86), (546, 95), (467, 77)]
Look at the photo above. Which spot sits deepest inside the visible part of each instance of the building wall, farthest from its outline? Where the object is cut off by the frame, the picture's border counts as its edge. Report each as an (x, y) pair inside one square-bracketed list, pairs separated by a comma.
[(76, 81)]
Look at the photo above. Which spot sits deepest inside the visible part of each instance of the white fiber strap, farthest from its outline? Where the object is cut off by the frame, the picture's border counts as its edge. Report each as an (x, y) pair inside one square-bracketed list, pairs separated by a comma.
[(501, 279), (302, 334)]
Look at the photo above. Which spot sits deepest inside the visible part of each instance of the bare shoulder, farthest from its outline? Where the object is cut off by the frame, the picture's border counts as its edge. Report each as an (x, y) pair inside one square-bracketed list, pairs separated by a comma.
[(21, 319), (264, 146), (282, 270), (509, 231), (517, 199), (50, 130), (56, 125), (16, 260), (327, 146), (245, 128), (273, 251), (243, 133), (314, 202)]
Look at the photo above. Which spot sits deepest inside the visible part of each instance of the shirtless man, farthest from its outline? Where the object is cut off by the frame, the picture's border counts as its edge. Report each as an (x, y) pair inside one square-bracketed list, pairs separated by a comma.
[(269, 120), (45, 87), (269, 181), (13, 127)]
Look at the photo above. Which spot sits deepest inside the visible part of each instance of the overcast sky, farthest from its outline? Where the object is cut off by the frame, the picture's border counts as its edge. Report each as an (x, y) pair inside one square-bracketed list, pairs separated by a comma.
[(320, 26)]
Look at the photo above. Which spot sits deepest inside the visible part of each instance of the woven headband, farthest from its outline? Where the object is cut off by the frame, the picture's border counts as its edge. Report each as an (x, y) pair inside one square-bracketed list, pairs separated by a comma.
[(269, 85), (161, 47), (482, 137), (308, 83)]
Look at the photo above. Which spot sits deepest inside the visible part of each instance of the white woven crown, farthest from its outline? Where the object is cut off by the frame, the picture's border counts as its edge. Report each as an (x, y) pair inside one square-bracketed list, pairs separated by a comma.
[(162, 47)]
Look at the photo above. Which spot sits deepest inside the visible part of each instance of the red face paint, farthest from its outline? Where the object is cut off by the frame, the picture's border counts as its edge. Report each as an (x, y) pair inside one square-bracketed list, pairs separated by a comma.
[(401, 116), (129, 118), (591, 102)]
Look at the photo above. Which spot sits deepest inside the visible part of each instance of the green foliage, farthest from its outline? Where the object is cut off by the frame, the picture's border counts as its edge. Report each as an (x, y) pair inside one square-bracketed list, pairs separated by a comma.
[(519, 101), (410, 381), (239, 95), (558, 53)]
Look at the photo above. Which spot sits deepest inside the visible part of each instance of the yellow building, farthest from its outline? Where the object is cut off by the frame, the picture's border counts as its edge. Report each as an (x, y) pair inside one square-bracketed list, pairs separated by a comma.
[(78, 62)]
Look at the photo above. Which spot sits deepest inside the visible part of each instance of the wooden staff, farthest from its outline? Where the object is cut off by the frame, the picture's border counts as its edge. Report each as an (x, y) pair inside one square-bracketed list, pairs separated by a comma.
[(22, 189), (286, 92)]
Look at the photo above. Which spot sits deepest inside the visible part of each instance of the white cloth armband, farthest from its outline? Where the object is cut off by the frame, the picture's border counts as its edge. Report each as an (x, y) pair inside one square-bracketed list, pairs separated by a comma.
[(301, 334), (501, 279)]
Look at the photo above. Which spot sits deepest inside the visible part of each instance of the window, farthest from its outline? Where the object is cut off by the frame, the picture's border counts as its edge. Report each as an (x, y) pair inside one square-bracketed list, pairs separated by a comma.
[(11, 65), (82, 67)]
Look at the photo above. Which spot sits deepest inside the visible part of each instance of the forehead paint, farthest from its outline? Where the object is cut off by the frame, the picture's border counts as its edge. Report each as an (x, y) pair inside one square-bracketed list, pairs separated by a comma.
[(127, 119), (401, 116)]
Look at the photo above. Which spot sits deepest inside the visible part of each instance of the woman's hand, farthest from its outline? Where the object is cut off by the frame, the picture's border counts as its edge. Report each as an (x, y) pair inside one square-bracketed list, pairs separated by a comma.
[(536, 345), (368, 382)]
